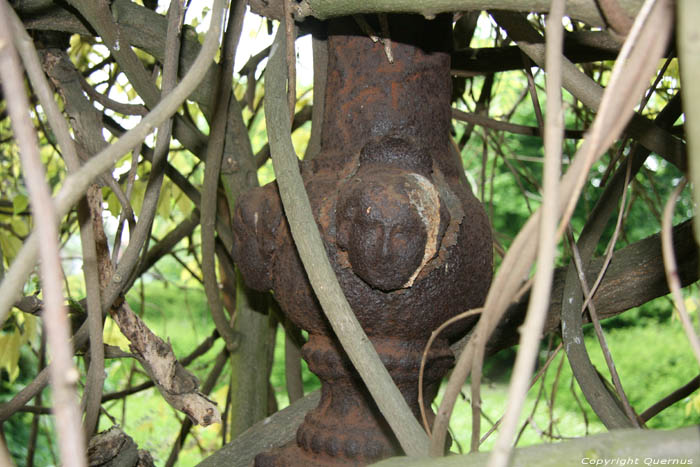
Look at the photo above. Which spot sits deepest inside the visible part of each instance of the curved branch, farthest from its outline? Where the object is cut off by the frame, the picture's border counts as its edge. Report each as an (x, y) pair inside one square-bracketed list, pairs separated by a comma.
[(313, 255), (591, 93), (486, 122), (62, 372), (212, 170), (584, 10)]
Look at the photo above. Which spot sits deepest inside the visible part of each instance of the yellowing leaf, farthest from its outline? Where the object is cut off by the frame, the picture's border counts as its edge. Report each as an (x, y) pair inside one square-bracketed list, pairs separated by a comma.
[(182, 201), (9, 353), (115, 208), (137, 194), (113, 336), (29, 325), (693, 405), (165, 201)]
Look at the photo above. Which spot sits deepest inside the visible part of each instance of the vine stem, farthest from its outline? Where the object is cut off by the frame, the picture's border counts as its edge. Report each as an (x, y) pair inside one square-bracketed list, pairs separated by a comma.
[(63, 373), (672, 270), (547, 243), (297, 208)]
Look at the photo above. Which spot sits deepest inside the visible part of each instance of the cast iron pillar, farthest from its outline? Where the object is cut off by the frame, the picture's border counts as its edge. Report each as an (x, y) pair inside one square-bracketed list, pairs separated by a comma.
[(409, 243)]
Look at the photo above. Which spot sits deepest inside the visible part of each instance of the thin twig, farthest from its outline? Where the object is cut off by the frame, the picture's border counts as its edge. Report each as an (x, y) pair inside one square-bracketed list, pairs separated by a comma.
[(482, 120), (613, 240), (119, 107), (130, 179), (547, 242), (672, 270), (31, 448), (434, 335), (365, 27), (386, 37), (89, 210), (539, 375), (532, 88), (600, 335), (679, 394)]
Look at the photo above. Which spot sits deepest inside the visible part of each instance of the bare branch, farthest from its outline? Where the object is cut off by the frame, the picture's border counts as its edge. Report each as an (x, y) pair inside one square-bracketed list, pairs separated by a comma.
[(212, 169), (178, 386), (64, 375), (308, 241), (547, 242), (677, 395), (583, 10), (674, 282)]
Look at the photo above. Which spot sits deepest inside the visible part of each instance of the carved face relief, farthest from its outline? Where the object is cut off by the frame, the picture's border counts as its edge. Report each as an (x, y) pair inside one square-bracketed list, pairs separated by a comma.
[(387, 224)]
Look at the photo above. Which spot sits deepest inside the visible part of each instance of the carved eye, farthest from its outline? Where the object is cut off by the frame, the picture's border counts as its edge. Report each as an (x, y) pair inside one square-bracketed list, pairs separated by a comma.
[(374, 233), (400, 238)]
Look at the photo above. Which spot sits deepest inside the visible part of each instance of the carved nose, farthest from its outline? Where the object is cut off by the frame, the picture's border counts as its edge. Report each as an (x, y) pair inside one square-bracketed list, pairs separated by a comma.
[(386, 244)]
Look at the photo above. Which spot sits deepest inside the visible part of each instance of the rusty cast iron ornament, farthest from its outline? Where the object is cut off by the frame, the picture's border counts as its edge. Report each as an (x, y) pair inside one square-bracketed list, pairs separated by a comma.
[(409, 243)]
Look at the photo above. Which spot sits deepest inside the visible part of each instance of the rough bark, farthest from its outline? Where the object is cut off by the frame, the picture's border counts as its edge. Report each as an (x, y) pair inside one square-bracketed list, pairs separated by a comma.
[(266, 434), (583, 10)]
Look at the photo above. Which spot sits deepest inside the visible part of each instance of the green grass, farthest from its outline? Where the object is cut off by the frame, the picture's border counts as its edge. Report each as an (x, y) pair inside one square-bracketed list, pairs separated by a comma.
[(652, 359)]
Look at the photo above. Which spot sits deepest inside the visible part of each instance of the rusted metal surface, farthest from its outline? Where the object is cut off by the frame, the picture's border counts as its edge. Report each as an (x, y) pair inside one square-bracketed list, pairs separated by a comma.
[(409, 243)]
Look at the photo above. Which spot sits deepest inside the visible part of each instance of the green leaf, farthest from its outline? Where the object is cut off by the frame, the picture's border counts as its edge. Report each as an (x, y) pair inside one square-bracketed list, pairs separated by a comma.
[(19, 226), (10, 245), (182, 201), (115, 208), (19, 204), (165, 200), (137, 195)]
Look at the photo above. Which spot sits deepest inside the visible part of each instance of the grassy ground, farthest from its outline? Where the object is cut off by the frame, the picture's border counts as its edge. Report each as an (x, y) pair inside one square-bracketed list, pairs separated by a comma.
[(652, 361), (651, 354)]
